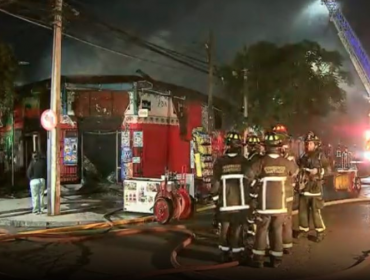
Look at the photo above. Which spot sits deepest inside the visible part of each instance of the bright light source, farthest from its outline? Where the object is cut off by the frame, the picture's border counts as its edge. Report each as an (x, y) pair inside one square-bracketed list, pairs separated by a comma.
[(367, 134), (367, 155)]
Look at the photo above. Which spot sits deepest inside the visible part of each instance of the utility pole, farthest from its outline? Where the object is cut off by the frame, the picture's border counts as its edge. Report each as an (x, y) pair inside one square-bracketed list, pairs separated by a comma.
[(55, 106), (13, 141), (245, 92), (209, 49)]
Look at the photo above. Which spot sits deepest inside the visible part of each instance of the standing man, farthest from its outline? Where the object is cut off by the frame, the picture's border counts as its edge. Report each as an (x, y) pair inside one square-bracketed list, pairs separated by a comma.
[(253, 144), (36, 173), (286, 152), (311, 202), (231, 193), (272, 171)]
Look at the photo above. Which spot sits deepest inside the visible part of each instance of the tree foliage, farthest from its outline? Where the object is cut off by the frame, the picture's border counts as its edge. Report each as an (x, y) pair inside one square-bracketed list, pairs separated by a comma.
[(8, 72), (291, 84)]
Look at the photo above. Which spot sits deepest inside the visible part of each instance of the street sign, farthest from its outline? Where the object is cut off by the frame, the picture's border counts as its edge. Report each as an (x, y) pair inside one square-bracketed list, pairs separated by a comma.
[(49, 120)]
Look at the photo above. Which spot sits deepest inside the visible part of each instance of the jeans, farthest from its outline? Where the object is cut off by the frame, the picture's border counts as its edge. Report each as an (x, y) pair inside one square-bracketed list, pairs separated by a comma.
[(37, 187)]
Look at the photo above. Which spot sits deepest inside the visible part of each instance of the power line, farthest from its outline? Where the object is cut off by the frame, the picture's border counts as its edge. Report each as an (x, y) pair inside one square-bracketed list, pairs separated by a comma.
[(42, 25), (169, 53), (120, 30)]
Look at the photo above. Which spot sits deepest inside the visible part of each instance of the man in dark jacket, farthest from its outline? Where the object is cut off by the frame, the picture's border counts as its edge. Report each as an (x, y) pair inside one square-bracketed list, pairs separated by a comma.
[(272, 172), (36, 173), (230, 190)]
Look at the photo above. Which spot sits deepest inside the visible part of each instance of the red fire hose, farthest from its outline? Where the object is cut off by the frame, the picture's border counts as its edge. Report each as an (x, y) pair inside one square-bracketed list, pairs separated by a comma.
[(79, 233)]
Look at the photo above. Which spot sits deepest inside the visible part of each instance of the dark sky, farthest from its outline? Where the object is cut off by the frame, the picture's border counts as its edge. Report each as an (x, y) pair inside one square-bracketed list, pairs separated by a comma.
[(182, 25)]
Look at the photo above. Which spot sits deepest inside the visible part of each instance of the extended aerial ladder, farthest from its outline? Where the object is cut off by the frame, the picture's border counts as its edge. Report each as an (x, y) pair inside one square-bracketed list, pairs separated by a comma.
[(348, 176), (351, 43)]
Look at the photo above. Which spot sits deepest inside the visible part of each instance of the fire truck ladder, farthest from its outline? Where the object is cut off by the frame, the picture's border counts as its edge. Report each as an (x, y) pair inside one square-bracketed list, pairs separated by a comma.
[(351, 43)]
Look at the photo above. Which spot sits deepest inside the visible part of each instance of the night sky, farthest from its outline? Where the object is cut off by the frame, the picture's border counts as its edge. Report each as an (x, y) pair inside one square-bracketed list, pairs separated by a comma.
[(181, 25)]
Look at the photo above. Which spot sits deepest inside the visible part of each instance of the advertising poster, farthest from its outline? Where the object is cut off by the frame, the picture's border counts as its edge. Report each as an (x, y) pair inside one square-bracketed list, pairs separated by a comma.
[(70, 156), (126, 155), (126, 171), (125, 138), (146, 192), (138, 139), (130, 193)]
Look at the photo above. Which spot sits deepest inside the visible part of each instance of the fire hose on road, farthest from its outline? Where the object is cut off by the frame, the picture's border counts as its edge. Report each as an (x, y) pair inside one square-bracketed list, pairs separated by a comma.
[(98, 230)]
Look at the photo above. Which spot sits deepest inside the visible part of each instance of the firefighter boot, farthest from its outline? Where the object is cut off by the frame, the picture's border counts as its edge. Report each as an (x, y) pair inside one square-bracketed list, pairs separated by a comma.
[(301, 234), (319, 237), (237, 257), (225, 257), (257, 261), (275, 261), (287, 251)]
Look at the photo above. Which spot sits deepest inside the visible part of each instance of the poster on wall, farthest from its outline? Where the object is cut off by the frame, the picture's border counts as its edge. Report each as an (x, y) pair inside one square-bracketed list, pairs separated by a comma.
[(126, 155), (70, 156), (125, 138), (138, 139), (126, 171)]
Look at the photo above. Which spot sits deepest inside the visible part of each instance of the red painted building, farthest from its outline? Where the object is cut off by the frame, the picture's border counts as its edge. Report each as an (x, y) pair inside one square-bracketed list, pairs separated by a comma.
[(158, 117)]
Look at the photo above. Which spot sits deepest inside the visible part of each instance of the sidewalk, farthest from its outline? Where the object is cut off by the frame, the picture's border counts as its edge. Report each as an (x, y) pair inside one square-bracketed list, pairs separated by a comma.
[(79, 210), (75, 210)]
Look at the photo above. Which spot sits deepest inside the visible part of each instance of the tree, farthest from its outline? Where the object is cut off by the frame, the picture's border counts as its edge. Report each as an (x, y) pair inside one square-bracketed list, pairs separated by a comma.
[(8, 72), (291, 84)]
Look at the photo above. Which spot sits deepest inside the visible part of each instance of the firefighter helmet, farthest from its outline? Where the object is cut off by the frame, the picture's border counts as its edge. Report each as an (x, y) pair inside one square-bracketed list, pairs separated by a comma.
[(312, 137), (233, 139), (253, 140), (280, 129), (272, 140)]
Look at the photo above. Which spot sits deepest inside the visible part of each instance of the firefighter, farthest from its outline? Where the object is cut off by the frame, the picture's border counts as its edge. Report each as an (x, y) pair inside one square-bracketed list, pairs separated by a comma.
[(272, 171), (290, 187), (230, 190), (253, 144), (230, 138), (249, 230), (312, 168)]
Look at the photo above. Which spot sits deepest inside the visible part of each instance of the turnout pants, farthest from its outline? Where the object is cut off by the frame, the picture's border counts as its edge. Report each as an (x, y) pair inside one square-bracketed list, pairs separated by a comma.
[(288, 227), (230, 234), (269, 226), (311, 206)]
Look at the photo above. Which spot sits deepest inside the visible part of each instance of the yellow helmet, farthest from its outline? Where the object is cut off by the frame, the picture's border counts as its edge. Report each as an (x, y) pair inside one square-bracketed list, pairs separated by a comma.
[(272, 139), (233, 138), (253, 140)]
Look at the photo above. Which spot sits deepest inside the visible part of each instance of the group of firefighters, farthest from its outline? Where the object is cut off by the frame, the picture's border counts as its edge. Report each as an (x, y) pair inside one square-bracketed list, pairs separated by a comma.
[(255, 195)]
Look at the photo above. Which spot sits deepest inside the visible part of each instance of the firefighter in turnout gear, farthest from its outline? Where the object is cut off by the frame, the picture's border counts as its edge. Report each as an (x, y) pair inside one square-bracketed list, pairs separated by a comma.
[(231, 138), (254, 152), (254, 146), (290, 190), (272, 171), (230, 190), (312, 168)]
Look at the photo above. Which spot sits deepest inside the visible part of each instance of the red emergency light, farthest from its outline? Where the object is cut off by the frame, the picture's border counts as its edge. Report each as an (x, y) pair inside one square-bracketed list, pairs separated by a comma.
[(280, 129)]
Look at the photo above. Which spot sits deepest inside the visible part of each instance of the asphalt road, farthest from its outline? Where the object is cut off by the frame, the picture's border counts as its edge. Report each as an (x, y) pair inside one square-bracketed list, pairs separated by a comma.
[(347, 241)]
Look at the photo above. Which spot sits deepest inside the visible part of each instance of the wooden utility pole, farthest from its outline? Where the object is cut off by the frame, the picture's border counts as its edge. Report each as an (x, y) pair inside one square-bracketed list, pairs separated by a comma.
[(55, 106), (245, 92), (209, 50)]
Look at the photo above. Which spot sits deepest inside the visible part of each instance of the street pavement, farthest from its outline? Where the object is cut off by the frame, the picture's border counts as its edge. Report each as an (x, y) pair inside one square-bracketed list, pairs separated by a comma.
[(112, 257)]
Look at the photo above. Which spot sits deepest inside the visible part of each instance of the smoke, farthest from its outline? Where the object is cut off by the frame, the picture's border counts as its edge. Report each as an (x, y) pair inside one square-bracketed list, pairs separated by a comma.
[(183, 25)]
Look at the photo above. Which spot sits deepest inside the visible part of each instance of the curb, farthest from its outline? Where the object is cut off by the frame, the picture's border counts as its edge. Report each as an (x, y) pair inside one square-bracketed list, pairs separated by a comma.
[(46, 224)]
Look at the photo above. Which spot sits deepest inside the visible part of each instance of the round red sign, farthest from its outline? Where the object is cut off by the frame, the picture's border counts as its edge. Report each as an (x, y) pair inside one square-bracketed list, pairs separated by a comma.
[(48, 120)]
